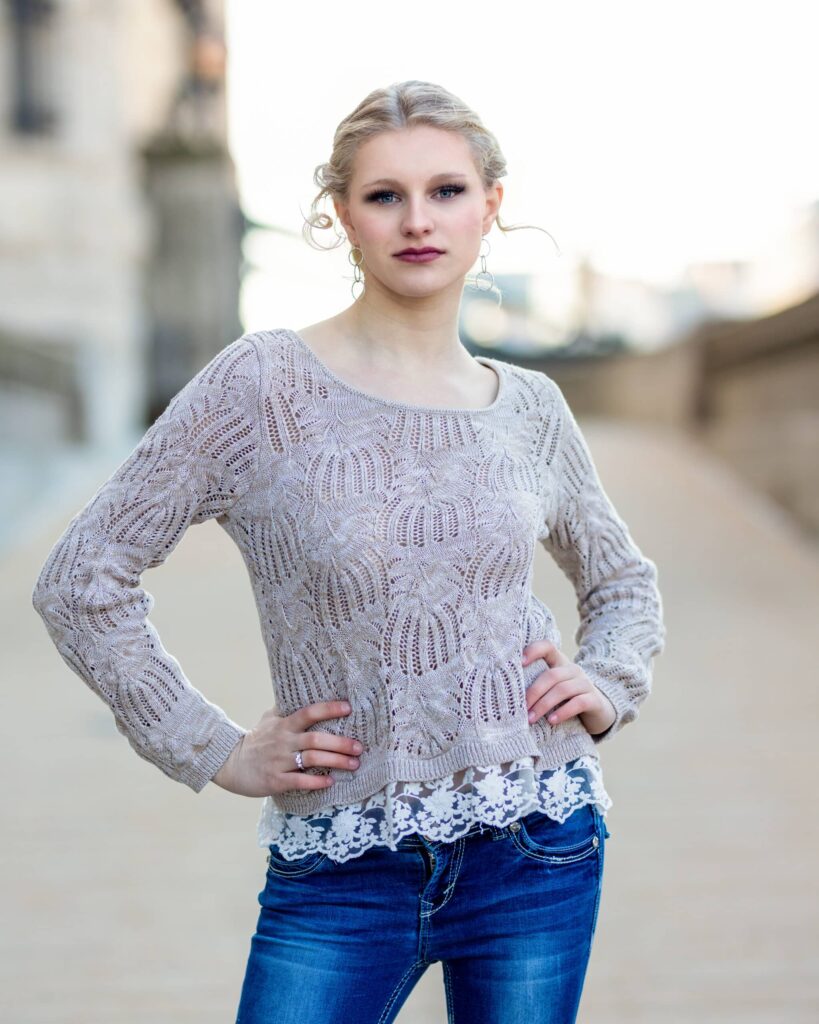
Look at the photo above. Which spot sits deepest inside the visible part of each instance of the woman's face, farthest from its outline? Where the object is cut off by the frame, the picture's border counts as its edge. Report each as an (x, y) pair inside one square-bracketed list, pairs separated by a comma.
[(417, 188)]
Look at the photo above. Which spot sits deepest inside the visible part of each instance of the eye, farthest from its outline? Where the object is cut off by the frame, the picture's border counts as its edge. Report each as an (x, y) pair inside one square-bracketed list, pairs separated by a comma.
[(375, 197), (452, 188)]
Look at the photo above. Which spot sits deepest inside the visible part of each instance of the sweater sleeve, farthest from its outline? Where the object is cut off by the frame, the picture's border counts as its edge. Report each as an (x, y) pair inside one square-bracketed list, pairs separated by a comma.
[(621, 624), (195, 461)]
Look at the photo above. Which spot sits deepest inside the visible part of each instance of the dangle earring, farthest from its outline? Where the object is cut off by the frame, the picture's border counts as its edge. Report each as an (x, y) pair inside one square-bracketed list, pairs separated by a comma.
[(484, 275), (357, 276)]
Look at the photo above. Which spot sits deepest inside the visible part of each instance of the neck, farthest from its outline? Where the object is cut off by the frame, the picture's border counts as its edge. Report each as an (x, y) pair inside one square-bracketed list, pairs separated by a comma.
[(403, 335)]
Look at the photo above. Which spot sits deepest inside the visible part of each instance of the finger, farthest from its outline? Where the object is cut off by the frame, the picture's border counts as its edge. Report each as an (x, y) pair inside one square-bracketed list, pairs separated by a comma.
[(550, 683), (304, 717), (317, 758), (545, 649), (577, 705), (327, 741), (301, 780), (556, 693)]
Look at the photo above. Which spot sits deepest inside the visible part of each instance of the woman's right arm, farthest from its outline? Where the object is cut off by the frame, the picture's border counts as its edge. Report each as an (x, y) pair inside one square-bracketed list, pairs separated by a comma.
[(197, 459)]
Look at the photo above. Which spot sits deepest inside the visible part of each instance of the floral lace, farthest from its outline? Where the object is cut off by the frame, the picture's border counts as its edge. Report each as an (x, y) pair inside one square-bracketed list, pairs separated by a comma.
[(442, 810)]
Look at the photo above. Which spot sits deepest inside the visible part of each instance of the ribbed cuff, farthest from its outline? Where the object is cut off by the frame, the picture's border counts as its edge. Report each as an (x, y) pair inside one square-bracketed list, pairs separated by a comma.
[(210, 760), (625, 711)]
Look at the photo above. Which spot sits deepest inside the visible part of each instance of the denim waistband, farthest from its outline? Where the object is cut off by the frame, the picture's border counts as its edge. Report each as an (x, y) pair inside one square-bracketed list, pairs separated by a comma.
[(416, 840)]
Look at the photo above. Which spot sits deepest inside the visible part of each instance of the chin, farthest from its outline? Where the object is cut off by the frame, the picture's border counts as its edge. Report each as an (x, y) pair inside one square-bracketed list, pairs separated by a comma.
[(430, 283)]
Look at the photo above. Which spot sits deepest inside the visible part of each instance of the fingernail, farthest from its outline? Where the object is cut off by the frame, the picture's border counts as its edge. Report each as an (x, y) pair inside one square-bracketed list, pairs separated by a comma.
[(346, 707), (532, 716)]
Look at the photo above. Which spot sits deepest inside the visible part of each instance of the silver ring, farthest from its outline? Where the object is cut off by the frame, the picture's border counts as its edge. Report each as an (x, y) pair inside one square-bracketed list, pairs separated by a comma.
[(299, 761)]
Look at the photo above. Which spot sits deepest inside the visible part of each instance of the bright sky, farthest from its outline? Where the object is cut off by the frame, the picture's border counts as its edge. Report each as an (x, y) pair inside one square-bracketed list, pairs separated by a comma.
[(647, 134)]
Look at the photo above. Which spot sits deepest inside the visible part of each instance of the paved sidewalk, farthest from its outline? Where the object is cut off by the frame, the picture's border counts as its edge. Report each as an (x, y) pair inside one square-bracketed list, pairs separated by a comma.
[(128, 899)]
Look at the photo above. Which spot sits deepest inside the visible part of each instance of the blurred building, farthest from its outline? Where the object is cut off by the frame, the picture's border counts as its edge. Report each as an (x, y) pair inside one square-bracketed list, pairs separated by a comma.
[(601, 313), (120, 230)]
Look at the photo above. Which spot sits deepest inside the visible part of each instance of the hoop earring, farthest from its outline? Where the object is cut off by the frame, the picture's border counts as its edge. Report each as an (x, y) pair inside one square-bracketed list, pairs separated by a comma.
[(484, 274), (357, 276)]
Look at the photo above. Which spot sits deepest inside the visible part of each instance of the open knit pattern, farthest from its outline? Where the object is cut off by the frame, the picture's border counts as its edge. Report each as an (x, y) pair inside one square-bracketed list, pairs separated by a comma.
[(390, 550)]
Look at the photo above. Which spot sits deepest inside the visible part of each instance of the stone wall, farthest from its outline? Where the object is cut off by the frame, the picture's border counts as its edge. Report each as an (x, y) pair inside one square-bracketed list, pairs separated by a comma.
[(747, 390)]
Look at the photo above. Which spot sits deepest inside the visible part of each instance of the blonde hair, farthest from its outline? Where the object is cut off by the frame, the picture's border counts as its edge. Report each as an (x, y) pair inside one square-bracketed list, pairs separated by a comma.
[(397, 106)]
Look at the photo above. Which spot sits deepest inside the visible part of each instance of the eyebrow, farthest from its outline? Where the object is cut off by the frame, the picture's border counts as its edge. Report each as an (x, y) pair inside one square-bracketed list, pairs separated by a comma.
[(435, 177)]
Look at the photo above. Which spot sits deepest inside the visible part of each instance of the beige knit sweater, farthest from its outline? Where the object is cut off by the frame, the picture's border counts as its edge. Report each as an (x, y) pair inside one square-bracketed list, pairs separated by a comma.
[(390, 550)]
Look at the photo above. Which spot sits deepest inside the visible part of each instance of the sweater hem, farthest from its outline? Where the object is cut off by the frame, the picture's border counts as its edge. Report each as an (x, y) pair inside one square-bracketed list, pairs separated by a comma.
[(351, 788)]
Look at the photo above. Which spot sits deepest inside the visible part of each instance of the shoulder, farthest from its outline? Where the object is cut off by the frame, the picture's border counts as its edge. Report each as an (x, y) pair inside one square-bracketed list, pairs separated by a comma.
[(237, 364), (270, 343), (540, 391), (230, 377)]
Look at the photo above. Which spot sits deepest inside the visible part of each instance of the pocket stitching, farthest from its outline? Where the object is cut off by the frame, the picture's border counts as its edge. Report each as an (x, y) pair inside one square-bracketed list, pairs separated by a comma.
[(558, 855), (538, 853), (281, 867)]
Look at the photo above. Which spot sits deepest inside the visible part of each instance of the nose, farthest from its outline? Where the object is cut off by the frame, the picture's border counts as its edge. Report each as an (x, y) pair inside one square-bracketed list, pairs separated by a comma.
[(416, 219)]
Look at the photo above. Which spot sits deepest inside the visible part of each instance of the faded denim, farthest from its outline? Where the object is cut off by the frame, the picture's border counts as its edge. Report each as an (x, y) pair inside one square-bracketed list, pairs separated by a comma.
[(509, 912)]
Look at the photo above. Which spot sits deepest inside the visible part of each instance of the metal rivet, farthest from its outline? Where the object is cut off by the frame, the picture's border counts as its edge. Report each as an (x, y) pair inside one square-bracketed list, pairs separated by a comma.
[(596, 841), (515, 826)]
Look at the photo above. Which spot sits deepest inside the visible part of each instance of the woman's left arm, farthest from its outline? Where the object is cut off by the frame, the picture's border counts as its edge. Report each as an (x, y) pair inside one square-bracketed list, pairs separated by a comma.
[(620, 607)]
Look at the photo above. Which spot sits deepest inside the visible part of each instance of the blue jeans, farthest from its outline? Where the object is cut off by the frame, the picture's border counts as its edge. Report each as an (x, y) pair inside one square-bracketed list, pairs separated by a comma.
[(509, 912)]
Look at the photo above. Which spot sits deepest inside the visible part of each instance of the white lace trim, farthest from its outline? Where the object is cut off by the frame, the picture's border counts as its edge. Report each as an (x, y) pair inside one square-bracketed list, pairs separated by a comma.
[(442, 810)]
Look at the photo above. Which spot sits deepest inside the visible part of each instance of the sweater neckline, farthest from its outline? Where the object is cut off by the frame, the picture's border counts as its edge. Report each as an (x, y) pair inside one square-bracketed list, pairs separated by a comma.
[(496, 364)]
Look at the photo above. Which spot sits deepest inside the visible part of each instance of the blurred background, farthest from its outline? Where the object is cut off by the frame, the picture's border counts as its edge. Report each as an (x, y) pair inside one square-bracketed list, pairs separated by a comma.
[(156, 157)]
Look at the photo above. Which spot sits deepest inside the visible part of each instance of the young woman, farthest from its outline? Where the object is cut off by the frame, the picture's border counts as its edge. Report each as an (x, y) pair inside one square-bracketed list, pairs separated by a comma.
[(431, 786)]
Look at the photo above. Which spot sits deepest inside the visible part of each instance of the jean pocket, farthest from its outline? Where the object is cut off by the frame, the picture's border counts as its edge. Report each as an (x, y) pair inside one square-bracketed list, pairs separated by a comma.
[(278, 864), (542, 838)]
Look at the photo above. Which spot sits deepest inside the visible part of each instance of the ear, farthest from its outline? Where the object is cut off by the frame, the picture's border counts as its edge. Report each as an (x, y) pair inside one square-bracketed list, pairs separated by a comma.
[(494, 196), (343, 214)]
